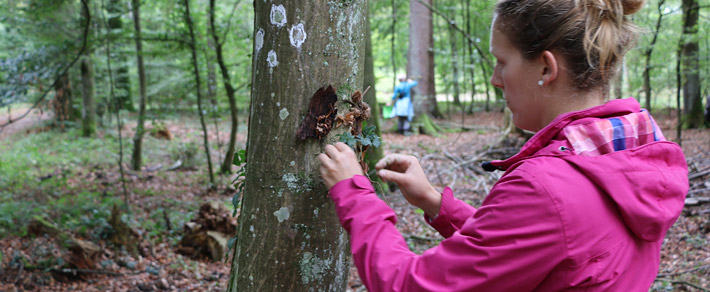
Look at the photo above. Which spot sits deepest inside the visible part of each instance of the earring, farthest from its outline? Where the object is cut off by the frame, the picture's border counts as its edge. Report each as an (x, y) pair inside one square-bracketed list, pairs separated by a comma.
[(540, 82)]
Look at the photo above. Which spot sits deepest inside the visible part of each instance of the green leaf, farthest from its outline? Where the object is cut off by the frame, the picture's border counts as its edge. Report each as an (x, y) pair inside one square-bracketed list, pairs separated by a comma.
[(376, 142), (366, 142)]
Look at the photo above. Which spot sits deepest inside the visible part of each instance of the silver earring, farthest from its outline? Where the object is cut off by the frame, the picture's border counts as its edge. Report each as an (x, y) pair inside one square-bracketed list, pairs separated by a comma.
[(540, 82)]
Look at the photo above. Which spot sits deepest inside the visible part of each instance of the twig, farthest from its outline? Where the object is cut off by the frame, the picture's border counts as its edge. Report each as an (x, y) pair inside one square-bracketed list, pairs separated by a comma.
[(683, 272), (86, 271), (699, 174), (679, 282)]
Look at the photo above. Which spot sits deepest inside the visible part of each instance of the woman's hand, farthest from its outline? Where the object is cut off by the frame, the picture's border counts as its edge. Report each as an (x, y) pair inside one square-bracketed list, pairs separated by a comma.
[(405, 171), (338, 163)]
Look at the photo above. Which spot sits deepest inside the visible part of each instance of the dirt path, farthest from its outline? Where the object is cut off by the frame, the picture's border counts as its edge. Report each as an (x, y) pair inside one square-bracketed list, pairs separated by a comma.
[(33, 118)]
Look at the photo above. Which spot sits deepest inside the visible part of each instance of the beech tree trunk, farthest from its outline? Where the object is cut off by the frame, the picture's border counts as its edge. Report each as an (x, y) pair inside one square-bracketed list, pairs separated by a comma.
[(289, 237), (420, 58), (692, 102), (136, 158), (373, 154)]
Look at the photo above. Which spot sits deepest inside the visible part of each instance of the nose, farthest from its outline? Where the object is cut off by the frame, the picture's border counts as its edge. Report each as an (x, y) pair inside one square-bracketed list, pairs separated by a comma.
[(495, 78)]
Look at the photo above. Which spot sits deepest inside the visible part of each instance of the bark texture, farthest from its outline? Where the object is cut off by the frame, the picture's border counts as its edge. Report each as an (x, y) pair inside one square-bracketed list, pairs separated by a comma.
[(289, 238)]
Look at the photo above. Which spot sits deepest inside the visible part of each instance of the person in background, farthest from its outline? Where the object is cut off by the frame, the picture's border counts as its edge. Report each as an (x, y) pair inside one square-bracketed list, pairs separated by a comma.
[(584, 205), (402, 100)]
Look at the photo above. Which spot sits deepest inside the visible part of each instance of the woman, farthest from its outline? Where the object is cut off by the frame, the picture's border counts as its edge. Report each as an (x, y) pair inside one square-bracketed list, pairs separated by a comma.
[(402, 100), (583, 206)]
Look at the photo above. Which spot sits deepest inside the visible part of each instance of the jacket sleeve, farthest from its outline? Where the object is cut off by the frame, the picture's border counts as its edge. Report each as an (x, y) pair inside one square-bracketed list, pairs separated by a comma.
[(509, 244), (452, 214)]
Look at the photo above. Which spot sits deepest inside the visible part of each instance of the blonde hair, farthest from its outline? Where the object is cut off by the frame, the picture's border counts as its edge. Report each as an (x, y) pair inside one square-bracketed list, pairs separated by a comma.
[(592, 35)]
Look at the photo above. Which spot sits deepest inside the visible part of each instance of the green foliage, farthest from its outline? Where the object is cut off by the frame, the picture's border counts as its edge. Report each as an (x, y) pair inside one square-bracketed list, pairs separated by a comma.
[(240, 160), (368, 137)]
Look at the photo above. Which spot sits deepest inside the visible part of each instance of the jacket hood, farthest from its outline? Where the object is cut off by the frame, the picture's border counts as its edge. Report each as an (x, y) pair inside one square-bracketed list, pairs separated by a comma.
[(621, 149)]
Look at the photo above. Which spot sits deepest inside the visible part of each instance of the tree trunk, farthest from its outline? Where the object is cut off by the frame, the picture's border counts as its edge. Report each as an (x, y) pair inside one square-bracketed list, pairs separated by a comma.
[(196, 71), (647, 55), (115, 9), (138, 136), (693, 104), (229, 156), (88, 110), (289, 235), (420, 63), (455, 64), (62, 103)]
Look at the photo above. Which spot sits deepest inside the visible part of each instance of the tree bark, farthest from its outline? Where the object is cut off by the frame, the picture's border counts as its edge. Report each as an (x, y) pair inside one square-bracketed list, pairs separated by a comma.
[(140, 130), (693, 103), (647, 56), (198, 84), (229, 156), (289, 237), (455, 65), (420, 59), (123, 79), (88, 110)]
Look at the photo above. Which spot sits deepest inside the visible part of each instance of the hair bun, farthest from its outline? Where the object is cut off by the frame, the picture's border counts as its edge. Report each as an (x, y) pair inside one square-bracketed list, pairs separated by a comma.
[(632, 6)]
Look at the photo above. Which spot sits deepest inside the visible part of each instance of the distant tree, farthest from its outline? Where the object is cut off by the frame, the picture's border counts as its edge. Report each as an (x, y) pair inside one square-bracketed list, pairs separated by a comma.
[(289, 237), (233, 113), (692, 102), (196, 70), (420, 60), (88, 110), (140, 130), (116, 8)]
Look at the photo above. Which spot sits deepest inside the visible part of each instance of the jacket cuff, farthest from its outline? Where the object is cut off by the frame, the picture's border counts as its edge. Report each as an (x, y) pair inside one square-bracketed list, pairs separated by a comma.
[(442, 223)]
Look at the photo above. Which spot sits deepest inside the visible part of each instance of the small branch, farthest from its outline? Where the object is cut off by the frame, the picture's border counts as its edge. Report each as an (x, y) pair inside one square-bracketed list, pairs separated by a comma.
[(453, 25), (418, 237), (683, 272)]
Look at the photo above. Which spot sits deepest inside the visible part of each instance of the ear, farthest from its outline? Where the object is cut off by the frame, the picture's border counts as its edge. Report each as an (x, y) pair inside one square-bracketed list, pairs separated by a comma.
[(550, 67)]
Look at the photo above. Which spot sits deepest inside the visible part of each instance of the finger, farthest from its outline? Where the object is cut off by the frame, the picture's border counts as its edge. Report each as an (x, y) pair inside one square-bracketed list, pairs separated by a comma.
[(331, 151), (342, 147), (393, 176), (386, 161), (324, 159)]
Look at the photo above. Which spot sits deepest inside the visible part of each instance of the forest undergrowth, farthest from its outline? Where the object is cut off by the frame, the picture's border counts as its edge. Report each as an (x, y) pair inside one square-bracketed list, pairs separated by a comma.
[(74, 182)]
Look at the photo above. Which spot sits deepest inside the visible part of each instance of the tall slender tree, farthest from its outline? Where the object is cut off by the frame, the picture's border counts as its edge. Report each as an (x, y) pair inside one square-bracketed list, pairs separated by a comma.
[(116, 9), (198, 83), (136, 157), (88, 109), (647, 56), (289, 237), (229, 156)]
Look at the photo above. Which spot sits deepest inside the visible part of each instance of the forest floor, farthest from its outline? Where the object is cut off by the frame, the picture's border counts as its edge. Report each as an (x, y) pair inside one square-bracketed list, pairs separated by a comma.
[(73, 182)]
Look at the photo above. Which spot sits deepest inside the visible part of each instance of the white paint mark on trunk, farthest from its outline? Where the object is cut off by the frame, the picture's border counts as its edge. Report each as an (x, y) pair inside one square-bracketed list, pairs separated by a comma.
[(283, 114), (272, 59), (282, 214), (278, 15), (259, 40), (297, 35)]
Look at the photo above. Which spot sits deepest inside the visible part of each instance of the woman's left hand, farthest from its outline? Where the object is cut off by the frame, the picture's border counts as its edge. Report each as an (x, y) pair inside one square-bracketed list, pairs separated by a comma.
[(338, 163)]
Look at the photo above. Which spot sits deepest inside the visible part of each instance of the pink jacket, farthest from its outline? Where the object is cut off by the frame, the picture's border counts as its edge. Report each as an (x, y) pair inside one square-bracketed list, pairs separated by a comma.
[(584, 206)]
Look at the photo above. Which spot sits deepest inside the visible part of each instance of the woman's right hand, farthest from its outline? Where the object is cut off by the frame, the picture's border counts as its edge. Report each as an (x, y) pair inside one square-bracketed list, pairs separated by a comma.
[(405, 171)]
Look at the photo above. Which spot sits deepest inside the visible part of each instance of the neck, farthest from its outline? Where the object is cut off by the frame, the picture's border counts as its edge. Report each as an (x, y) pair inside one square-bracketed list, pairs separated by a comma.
[(570, 100)]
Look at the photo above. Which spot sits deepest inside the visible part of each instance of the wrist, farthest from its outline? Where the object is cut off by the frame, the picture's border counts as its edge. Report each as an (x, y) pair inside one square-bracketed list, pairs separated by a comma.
[(432, 206)]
